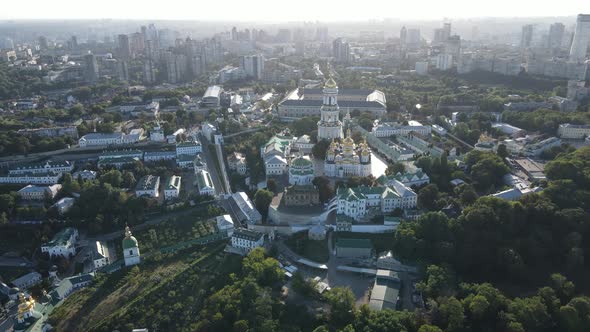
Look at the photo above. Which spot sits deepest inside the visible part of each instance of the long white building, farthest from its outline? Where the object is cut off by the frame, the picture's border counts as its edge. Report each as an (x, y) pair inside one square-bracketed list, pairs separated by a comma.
[(303, 102), (205, 183), (62, 244), (31, 178), (48, 166), (361, 202), (107, 139), (572, 131), (392, 128)]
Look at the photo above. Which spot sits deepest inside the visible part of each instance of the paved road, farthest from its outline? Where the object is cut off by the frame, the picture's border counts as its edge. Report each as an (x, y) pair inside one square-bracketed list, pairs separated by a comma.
[(359, 284), (210, 161)]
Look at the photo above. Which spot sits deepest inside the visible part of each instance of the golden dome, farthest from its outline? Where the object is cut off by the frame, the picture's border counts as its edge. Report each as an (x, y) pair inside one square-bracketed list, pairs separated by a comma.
[(330, 84)]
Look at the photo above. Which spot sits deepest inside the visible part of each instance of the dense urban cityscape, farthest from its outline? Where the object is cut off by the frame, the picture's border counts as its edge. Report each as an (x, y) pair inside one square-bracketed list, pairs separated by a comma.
[(379, 175)]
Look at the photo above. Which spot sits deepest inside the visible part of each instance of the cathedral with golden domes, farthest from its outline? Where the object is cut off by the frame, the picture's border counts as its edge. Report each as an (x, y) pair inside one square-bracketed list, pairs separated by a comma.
[(347, 159)]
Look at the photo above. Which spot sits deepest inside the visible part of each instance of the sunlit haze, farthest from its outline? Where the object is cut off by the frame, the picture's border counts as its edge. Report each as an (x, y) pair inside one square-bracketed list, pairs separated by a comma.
[(269, 10)]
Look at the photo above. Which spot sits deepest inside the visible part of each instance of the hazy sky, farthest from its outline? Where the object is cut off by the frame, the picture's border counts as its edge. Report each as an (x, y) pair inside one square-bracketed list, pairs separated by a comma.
[(292, 10)]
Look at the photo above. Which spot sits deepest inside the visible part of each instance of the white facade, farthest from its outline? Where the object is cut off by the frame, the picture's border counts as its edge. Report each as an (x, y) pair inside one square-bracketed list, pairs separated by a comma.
[(64, 205), (131, 253), (390, 129), (225, 223), (63, 243), (158, 155), (208, 130), (301, 171), (148, 185), (30, 178), (276, 165), (84, 175), (246, 239), (357, 203), (205, 183), (101, 257), (157, 134), (237, 162), (47, 167), (173, 188), (346, 159), (444, 61), (31, 192), (189, 148), (421, 68), (534, 150), (330, 126), (571, 131)]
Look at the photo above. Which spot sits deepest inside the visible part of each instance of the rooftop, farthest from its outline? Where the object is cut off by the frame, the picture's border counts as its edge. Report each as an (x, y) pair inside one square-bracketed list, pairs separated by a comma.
[(354, 243), (246, 234), (61, 238), (148, 182)]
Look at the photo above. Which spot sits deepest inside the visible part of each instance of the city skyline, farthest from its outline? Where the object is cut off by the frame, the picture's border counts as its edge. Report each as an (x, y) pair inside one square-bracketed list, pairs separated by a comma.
[(306, 10)]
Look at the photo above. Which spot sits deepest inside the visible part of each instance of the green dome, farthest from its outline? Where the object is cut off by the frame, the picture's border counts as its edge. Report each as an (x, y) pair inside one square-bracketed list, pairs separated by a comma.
[(301, 162), (130, 242)]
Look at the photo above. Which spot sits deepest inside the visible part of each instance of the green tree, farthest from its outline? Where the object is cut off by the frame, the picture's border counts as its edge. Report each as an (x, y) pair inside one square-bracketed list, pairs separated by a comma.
[(428, 197), (342, 304), (262, 200), (429, 328)]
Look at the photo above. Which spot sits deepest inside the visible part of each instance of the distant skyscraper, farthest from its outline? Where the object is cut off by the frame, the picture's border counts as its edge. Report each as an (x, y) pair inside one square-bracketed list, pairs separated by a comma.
[(91, 68), (284, 36), (176, 67), (123, 71), (555, 37), (581, 39), (124, 47), (526, 36), (73, 43), (322, 34), (414, 38), (252, 65), (453, 46), (43, 42), (447, 31), (196, 65), (403, 36), (341, 50), (234, 33), (442, 34), (149, 72)]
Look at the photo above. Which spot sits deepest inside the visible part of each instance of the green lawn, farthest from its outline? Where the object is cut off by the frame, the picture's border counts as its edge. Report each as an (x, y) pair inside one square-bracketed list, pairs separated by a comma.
[(316, 251), (381, 241)]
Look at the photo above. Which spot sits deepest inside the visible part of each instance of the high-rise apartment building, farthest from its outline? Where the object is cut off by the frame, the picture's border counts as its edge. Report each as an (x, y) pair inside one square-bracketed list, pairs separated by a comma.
[(341, 50), (252, 65), (90, 68), (124, 47), (555, 37), (581, 40), (526, 37)]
